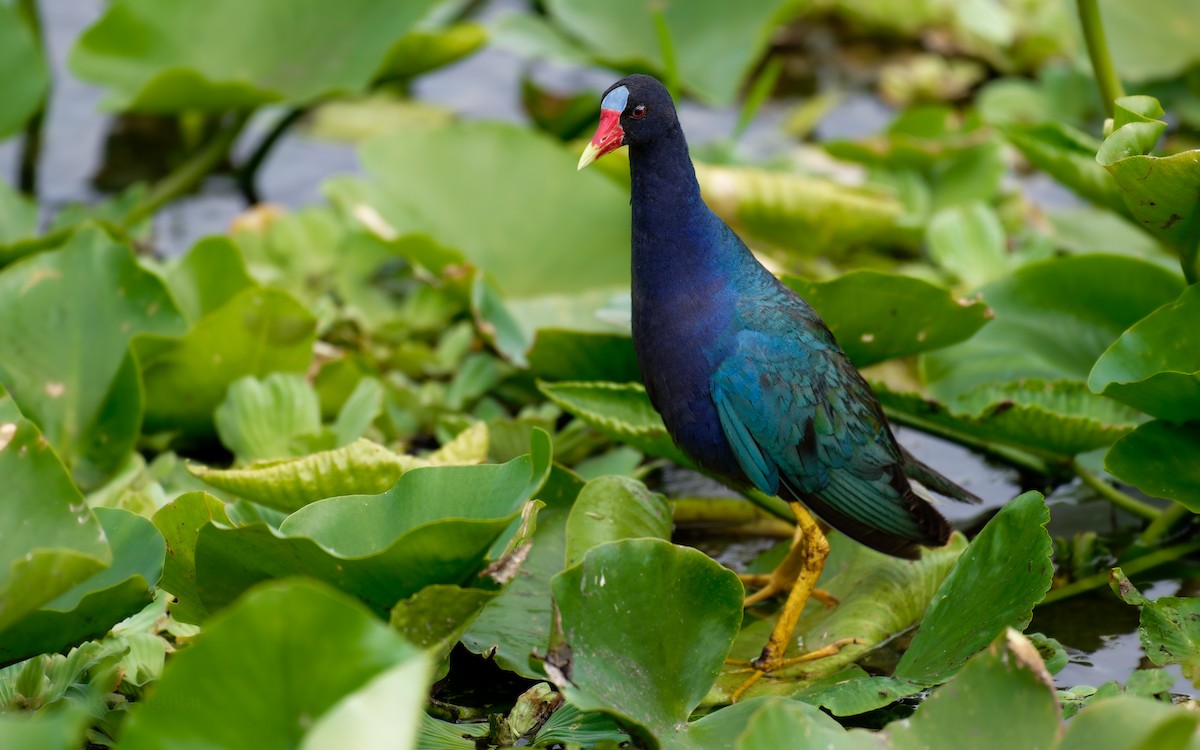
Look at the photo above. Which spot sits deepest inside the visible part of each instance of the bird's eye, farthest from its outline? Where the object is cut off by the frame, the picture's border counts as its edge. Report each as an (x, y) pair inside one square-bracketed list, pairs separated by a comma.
[(638, 112)]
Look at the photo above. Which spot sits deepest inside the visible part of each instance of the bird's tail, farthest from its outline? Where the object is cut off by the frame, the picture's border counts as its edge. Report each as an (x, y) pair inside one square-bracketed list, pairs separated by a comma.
[(930, 478)]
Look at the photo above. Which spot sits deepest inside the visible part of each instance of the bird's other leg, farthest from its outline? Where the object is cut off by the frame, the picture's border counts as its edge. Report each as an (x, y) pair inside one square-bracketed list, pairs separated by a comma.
[(810, 551), (783, 578)]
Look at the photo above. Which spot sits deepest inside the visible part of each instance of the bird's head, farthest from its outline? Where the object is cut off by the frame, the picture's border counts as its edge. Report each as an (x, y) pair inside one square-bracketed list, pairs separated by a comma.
[(635, 110)]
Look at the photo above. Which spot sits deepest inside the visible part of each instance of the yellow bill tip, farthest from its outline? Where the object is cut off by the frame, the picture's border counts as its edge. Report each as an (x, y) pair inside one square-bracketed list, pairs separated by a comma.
[(590, 154)]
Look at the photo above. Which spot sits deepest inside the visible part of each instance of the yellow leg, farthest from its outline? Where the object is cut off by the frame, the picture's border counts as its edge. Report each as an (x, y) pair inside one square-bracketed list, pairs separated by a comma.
[(783, 579), (806, 560)]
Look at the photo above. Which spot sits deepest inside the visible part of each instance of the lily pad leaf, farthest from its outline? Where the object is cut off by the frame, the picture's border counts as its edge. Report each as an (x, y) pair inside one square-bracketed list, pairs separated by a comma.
[(435, 617), (267, 418), (49, 540), (1006, 680), (559, 354), (1169, 629), (517, 624), (179, 62), (259, 331), (968, 242), (436, 525), (180, 522), (423, 50), (798, 213), (1160, 459), (210, 274), (363, 467), (1131, 722), (1161, 192), (879, 597), (1155, 365), (1060, 418), (66, 321), (723, 42), (336, 653), (696, 606), (1053, 321), (45, 730), (26, 80), (879, 316), (622, 411), (94, 605), (1004, 572), (18, 223), (612, 508)]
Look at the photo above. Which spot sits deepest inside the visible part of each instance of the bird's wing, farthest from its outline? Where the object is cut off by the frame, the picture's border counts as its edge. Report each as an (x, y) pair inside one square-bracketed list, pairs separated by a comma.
[(801, 419)]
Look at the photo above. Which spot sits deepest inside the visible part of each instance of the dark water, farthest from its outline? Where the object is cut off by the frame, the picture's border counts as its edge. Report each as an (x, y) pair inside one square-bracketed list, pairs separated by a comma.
[(1098, 630)]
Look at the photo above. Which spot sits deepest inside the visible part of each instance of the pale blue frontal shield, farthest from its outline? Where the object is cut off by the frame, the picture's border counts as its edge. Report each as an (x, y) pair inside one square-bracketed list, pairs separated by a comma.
[(616, 99)]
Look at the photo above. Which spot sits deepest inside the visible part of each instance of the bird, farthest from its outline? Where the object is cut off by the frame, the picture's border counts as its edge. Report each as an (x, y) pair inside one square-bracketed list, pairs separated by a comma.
[(749, 381)]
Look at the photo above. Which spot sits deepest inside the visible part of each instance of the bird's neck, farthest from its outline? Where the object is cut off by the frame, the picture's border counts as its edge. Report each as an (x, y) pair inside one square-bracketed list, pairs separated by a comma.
[(674, 232)]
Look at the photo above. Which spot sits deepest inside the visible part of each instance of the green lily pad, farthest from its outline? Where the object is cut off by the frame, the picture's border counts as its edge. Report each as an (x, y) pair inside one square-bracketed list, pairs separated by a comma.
[(48, 730), (968, 242), (879, 316), (1155, 365), (436, 525), (1154, 46), (1059, 418), (180, 522), (423, 50), (153, 58), (559, 354), (1005, 681), (341, 662), (613, 508), (1053, 321), (259, 331), (1160, 459), (1169, 628), (879, 597), (26, 79), (67, 318), (784, 723), (435, 617), (517, 624), (1131, 722), (622, 411), (651, 678), (210, 274), (49, 540), (800, 213), (1161, 192), (94, 605), (1004, 572), (268, 419), (714, 44)]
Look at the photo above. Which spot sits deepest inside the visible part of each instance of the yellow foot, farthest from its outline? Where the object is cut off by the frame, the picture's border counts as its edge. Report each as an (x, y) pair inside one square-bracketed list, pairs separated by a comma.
[(764, 664), (775, 584)]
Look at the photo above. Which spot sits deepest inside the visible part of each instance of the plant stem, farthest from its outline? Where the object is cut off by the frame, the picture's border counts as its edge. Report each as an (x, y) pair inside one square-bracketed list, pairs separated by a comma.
[(1102, 64), (31, 142), (731, 514), (247, 173), (1015, 456), (190, 173), (667, 47), (1162, 525), (1140, 565), (1115, 496)]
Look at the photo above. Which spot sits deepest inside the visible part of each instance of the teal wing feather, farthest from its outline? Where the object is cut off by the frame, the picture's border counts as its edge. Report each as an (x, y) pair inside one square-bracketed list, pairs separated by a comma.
[(802, 422)]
